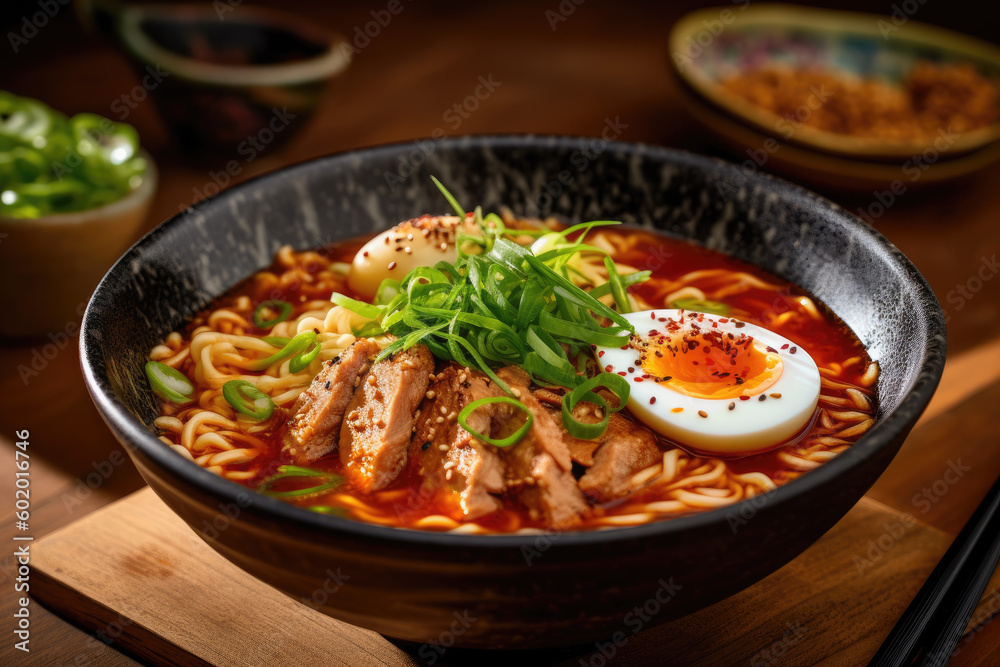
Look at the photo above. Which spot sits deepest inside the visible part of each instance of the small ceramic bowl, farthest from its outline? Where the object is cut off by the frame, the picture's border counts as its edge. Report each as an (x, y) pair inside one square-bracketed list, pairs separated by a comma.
[(235, 82), (712, 44), (49, 266)]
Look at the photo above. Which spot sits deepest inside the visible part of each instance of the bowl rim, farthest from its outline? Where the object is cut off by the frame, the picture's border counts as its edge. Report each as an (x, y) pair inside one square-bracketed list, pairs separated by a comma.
[(333, 60), (135, 198), (129, 428), (829, 21)]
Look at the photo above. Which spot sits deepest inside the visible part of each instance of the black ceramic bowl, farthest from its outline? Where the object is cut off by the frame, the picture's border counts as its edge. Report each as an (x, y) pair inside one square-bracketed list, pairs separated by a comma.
[(523, 591)]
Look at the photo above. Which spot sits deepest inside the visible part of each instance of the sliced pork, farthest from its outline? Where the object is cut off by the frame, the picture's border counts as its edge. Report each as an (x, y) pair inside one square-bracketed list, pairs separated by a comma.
[(459, 472), (376, 430), (626, 448), (538, 468), (314, 426)]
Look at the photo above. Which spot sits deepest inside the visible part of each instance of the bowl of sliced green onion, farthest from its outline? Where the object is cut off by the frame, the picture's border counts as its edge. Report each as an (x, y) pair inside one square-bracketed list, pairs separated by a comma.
[(74, 193)]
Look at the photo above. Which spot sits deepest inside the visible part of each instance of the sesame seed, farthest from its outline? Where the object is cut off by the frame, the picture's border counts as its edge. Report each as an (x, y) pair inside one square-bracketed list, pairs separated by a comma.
[(516, 392), (443, 410), (775, 395), (430, 394), (732, 405), (447, 474), (449, 464), (763, 397), (443, 448), (793, 350), (439, 420), (703, 414), (451, 415), (372, 380), (392, 265)]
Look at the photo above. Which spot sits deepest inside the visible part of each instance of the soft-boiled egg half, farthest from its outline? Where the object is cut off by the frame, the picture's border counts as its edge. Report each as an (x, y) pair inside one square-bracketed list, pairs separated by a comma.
[(715, 384), (422, 241)]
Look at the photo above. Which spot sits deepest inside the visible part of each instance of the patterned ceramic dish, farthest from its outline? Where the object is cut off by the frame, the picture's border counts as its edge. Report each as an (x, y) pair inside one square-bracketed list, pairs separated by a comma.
[(709, 45)]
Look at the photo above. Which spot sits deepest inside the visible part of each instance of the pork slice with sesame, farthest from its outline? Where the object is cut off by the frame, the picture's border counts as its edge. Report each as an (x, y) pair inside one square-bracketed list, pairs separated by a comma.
[(538, 468), (626, 448), (314, 426), (612, 458), (460, 473), (376, 431)]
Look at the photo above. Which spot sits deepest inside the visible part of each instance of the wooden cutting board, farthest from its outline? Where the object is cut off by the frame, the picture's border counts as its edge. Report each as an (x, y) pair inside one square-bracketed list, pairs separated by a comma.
[(135, 574)]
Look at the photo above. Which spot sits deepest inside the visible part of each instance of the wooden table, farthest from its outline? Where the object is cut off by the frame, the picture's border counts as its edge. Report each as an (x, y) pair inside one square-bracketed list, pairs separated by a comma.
[(606, 60)]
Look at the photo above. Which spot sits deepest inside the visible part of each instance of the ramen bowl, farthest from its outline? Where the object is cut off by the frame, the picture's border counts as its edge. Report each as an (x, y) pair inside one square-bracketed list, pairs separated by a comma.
[(525, 591)]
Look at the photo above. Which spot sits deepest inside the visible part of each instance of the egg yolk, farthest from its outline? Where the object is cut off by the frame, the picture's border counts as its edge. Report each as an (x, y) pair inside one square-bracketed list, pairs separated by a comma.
[(709, 363)]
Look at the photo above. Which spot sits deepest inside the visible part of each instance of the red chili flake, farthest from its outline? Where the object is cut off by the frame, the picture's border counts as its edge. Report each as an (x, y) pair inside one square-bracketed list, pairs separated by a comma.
[(364, 254), (652, 315), (392, 265), (624, 347), (637, 379), (631, 369), (661, 319), (724, 320), (763, 397), (740, 325), (785, 346), (600, 354), (652, 400), (387, 240), (622, 373), (732, 405), (771, 349), (744, 398), (793, 350), (608, 368)]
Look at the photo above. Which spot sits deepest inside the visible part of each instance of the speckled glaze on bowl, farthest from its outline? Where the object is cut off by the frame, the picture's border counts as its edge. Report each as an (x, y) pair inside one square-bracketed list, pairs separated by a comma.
[(524, 591)]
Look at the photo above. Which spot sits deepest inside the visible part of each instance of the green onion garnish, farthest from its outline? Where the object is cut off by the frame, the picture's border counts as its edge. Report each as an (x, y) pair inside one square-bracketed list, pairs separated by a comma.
[(302, 360), (326, 509), (616, 384), (277, 341), (282, 308), (305, 347), (514, 437), (326, 481), (169, 383), (509, 305), (248, 399), (702, 306)]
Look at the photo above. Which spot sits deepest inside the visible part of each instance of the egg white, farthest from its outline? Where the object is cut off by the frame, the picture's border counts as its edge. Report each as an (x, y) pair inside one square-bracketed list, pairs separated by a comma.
[(750, 425), (422, 241)]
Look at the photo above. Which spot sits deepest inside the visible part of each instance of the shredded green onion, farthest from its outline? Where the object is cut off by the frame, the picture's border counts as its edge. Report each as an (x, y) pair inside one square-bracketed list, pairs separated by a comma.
[(282, 308), (702, 306), (248, 399), (169, 383), (327, 481), (305, 347), (508, 305), (514, 437)]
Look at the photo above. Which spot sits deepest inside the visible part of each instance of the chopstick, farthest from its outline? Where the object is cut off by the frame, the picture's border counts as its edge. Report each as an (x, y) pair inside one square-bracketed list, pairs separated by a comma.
[(928, 631)]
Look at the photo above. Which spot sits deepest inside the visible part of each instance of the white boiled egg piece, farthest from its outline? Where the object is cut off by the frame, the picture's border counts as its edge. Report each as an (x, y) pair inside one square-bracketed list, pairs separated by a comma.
[(422, 241), (714, 384)]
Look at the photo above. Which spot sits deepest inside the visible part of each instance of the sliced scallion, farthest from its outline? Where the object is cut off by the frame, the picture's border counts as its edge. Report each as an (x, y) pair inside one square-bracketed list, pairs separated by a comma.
[(327, 481), (702, 306), (245, 398), (282, 310), (511, 439), (169, 383)]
